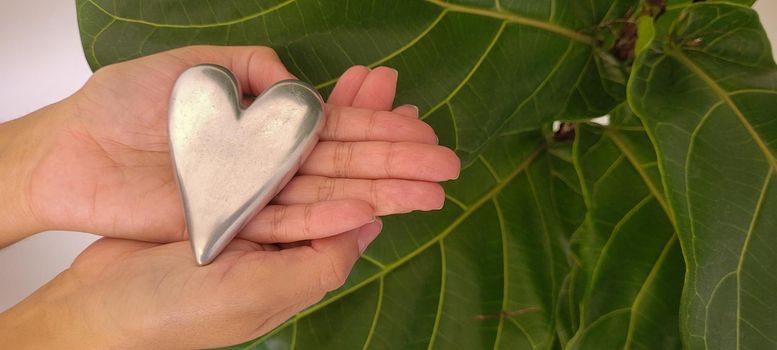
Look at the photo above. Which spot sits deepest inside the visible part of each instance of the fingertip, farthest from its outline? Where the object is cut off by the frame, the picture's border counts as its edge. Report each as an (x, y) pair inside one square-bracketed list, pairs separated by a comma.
[(396, 127), (397, 196), (368, 233), (430, 135), (348, 85), (356, 71), (386, 77), (436, 197), (259, 67), (378, 89), (392, 73), (452, 168), (441, 164), (355, 211), (455, 162), (407, 110)]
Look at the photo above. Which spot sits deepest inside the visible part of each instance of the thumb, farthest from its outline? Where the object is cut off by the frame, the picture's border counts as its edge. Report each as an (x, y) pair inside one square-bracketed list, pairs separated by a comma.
[(299, 277), (255, 67), (324, 265), (332, 258)]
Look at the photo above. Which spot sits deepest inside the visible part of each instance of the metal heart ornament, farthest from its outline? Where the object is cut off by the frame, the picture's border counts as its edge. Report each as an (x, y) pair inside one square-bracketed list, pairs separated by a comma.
[(230, 161)]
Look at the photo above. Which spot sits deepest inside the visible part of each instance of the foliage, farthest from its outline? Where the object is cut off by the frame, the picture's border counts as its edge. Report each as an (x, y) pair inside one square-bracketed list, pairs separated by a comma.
[(651, 232)]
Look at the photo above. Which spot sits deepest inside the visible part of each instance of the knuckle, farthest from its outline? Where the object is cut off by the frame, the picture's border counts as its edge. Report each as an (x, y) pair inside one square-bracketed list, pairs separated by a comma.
[(388, 163), (342, 158), (334, 277), (307, 220), (375, 192), (334, 122), (312, 294), (369, 131), (276, 224), (327, 189)]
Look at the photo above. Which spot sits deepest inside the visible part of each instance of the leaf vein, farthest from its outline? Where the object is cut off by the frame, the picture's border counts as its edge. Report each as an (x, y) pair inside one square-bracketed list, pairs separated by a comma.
[(187, 26)]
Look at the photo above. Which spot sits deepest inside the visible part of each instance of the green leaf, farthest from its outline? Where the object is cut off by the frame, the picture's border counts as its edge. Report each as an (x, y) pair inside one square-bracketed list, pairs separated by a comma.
[(474, 69), (631, 265), (707, 94)]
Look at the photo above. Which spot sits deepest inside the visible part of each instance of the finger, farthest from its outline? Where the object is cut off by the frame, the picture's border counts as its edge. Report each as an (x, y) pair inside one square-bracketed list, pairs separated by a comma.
[(377, 90), (348, 86), (298, 276), (407, 110), (356, 124), (376, 160), (255, 67), (386, 196), (325, 264), (339, 252), (297, 222)]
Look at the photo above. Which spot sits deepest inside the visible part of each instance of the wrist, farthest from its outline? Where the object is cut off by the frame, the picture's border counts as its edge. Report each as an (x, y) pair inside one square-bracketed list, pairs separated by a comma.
[(49, 318), (23, 143)]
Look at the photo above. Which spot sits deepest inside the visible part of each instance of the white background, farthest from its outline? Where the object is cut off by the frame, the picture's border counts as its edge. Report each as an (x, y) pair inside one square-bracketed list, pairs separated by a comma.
[(41, 62)]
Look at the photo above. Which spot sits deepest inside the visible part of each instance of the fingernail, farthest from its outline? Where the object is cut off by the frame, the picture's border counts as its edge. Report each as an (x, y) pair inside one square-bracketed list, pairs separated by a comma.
[(436, 140), (367, 234), (396, 72), (413, 107)]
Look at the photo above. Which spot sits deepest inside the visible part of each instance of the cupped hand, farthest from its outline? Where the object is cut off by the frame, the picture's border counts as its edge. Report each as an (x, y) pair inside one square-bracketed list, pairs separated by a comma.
[(130, 294), (109, 172)]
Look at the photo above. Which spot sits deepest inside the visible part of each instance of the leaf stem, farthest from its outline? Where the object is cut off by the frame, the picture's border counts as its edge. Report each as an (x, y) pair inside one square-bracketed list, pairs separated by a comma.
[(514, 18)]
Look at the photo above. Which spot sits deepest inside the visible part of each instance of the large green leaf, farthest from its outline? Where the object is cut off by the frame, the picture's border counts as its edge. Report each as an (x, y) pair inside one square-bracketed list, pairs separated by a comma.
[(708, 95), (475, 68), (630, 265)]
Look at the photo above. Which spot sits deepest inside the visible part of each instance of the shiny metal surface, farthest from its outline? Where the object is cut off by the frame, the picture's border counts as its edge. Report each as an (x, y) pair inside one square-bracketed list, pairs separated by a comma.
[(229, 161)]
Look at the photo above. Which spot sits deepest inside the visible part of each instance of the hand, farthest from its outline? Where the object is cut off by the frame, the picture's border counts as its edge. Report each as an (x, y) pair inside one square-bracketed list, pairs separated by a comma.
[(130, 294), (107, 171), (105, 167)]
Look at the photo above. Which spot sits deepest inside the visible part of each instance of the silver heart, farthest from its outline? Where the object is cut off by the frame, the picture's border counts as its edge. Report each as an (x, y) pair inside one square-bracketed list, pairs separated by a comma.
[(229, 161)]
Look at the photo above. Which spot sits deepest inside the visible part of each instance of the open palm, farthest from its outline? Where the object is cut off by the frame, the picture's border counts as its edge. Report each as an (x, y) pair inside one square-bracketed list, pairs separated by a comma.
[(109, 171)]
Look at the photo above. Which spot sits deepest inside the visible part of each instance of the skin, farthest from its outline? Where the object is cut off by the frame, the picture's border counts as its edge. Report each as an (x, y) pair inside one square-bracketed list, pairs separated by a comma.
[(98, 162)]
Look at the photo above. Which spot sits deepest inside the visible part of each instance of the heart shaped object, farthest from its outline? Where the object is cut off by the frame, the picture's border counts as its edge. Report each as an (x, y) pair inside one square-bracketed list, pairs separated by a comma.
[(230, 161)]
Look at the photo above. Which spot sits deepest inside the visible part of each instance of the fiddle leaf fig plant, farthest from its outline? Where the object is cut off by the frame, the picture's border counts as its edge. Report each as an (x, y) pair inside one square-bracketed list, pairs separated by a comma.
[(654, 231)]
